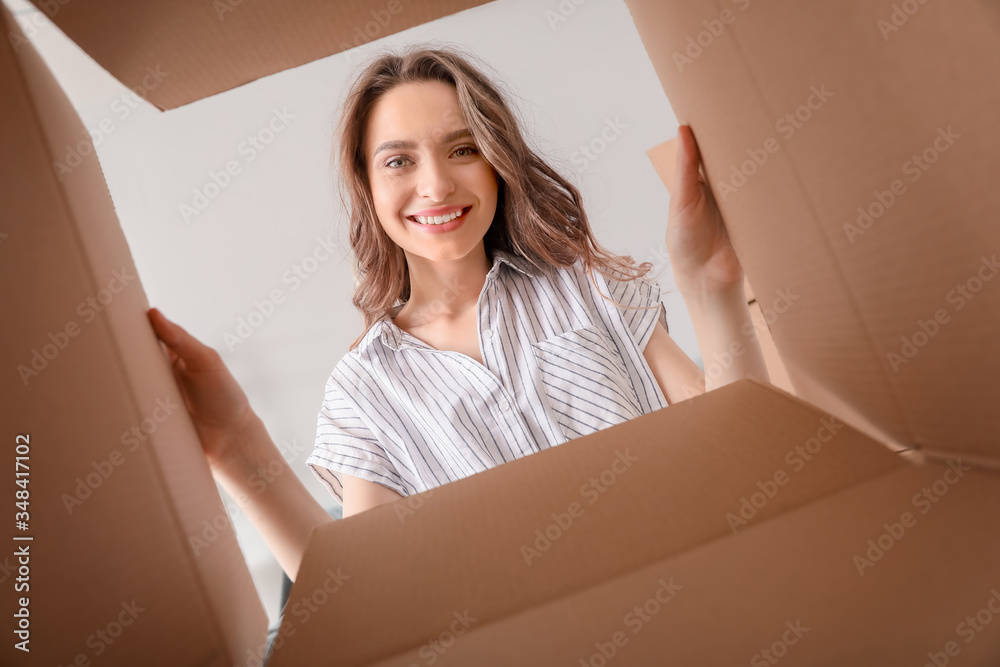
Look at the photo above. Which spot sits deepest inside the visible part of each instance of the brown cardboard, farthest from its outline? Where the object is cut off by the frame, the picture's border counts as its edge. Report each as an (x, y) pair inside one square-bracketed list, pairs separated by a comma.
[(449, 549), (391, 579), (737, 596), (214, 46), (775, 369), (664, 159), (122, 554), (890, 96)]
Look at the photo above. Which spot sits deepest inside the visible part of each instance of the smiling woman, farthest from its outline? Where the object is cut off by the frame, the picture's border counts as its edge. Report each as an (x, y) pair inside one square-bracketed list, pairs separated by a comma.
[(495, 324), (434, 194), (489, 335)]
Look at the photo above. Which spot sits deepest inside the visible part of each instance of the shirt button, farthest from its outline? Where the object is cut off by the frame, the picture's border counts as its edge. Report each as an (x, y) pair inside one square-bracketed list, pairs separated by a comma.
[(488, 334), (505, 406)]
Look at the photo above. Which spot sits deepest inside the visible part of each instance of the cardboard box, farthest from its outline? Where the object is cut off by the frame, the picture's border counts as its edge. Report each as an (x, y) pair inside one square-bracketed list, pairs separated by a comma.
[(746, 521), (744, 525), (132, 555)]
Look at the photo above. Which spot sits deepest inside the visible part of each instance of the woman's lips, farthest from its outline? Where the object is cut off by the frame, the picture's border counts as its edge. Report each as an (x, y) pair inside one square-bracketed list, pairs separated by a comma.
[(445, 227)]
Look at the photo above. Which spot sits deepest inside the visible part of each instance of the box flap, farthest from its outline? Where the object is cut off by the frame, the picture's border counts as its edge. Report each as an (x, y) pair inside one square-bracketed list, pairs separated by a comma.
[(808, 117), (117, 482), (664, 159), (561, 520), (807, 587), (209, 47), (775, 369)]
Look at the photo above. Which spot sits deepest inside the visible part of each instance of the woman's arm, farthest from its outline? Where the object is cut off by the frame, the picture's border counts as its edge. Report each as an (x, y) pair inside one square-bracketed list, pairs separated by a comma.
[(277, 503), (709, 277), (361, 495), (679, 377), (726, 335)]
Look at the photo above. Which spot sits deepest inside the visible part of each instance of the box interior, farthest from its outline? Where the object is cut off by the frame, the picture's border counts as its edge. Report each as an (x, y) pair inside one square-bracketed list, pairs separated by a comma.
[(859, 341)]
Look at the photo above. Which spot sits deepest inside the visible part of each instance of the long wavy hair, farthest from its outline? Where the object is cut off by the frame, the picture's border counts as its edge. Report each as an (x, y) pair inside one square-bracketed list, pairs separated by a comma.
[(539, 216)]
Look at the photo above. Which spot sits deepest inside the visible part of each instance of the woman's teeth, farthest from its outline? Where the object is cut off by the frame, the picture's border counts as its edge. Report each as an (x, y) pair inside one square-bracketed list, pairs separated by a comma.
[(438, 219)]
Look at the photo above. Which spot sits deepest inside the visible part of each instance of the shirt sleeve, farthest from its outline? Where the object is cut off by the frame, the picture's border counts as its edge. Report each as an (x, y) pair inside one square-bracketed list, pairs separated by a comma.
[(640, 304), (346, 444)]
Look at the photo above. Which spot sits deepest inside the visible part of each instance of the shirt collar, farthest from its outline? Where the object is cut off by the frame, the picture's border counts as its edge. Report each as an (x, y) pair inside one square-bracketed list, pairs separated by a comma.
[(389, 334), (516, 261)]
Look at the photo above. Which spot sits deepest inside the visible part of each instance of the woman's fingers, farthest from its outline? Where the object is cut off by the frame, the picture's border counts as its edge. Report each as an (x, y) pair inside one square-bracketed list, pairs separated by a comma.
[(688, 179), (194, 355)]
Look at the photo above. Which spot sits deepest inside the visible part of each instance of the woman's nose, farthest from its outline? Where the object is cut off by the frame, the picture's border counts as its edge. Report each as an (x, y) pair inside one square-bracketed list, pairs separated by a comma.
[(434, 181)]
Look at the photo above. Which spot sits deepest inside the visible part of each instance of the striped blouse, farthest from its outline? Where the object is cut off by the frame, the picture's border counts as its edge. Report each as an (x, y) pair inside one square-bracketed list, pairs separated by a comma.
[(559, 362)]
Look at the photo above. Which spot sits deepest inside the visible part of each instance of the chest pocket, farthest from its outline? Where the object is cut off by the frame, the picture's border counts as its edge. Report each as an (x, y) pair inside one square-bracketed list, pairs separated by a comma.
[(585, 380)]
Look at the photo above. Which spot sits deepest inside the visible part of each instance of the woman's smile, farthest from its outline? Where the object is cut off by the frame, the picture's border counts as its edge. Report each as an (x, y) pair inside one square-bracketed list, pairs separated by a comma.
[(441, 223)]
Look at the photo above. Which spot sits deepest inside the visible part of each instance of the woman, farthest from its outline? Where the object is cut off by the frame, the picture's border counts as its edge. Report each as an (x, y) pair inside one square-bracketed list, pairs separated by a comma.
[(475, 270)]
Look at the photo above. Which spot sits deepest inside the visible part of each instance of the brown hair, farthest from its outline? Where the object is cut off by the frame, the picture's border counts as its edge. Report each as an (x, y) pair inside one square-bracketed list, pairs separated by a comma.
[(539, 216)]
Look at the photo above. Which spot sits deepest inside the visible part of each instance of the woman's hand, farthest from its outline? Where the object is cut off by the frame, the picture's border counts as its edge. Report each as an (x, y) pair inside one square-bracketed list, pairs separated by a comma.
[(697, 241), (709, 275), (217, 405)]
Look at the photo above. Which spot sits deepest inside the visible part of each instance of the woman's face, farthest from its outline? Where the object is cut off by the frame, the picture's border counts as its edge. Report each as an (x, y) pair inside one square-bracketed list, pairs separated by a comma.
[(418, 164)]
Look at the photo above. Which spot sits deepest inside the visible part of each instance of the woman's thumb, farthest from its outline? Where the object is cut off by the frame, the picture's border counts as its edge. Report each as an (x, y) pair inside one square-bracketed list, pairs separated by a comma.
[(687, 183), (179, 341)]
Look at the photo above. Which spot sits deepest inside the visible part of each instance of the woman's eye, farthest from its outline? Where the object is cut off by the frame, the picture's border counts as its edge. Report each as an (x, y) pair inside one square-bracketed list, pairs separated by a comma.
[(399, 158)]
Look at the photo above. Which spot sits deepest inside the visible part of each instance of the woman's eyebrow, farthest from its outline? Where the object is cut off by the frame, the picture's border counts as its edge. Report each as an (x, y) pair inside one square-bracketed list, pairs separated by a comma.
[(409, 145)]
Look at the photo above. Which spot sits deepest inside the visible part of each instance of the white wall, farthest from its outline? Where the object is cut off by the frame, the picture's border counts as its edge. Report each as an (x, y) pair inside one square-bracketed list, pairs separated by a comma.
[(570, 77)]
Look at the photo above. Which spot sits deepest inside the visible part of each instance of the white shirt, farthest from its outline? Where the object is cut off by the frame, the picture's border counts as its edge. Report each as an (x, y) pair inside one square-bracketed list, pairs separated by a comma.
[(559, 362)]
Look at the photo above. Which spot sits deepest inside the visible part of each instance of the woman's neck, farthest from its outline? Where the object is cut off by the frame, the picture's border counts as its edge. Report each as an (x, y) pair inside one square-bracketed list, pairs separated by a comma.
[(445, 290)]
